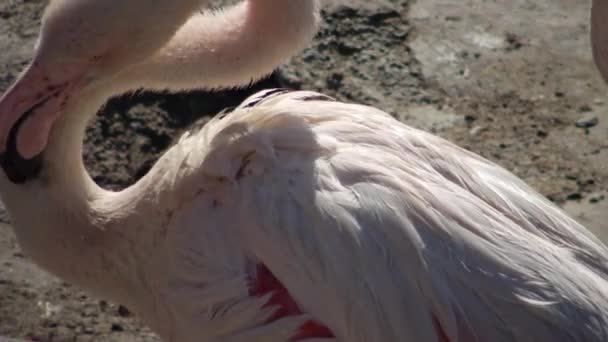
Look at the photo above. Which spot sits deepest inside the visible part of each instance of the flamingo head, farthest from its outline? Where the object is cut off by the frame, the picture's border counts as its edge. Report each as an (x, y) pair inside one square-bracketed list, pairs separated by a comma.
[(81, 45)]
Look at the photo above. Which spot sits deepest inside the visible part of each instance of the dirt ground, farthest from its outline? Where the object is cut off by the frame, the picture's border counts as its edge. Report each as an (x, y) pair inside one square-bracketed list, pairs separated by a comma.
[(510, 80)]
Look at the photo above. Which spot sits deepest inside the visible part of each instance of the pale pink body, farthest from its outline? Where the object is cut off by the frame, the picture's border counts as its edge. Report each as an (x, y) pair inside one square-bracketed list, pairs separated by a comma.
[(377, 231)]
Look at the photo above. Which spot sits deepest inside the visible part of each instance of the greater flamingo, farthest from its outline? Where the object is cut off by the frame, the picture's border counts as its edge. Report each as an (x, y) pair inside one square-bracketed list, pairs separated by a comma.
[(294, 217)]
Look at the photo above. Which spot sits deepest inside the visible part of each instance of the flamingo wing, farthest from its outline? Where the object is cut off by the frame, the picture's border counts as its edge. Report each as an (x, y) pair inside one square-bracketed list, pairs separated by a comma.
[(382, 232)]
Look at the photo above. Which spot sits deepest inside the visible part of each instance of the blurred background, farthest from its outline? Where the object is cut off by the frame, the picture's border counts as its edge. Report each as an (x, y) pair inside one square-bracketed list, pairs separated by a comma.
[(512, 80)]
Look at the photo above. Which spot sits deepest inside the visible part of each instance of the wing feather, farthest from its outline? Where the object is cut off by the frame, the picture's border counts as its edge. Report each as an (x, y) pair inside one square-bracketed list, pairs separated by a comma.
[(382, 231)]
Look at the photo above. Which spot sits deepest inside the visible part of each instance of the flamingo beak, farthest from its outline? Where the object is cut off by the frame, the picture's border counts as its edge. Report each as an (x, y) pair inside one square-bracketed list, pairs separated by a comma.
[(27, 113)]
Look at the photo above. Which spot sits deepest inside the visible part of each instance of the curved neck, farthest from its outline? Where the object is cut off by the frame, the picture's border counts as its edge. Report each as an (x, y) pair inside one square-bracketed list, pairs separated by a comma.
[(57, 218), (230, 48), (63, 157), (225, 49), (94, 236)]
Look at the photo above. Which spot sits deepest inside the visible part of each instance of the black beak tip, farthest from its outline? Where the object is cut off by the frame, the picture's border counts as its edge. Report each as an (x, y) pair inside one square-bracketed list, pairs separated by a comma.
[(18, 169)]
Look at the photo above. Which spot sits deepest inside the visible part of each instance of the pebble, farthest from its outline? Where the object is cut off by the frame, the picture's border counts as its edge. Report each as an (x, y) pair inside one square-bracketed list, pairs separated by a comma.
[(587, 121), (123, 311), (476, 130), (596, 199), (584, 109), (117, 327)]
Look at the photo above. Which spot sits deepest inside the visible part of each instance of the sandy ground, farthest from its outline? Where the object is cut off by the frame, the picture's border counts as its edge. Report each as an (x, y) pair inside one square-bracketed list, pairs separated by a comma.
[(510, 80)]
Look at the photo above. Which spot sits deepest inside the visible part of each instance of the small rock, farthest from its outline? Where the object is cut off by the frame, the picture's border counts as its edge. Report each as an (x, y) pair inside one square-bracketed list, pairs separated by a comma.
[(587, 121), (117, 327), (453, 18), (123, 311), (469, 118), (382, 15), (584, 109), (596, 199), (476, 130), (513, 42), (575, 196), (334, 81)]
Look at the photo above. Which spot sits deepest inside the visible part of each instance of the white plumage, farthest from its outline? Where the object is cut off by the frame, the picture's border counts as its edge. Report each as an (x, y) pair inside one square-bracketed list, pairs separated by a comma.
[(378, 231)]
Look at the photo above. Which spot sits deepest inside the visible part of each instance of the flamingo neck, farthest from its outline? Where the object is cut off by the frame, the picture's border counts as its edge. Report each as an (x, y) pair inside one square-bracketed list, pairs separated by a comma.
[(245, 42), (231, 48), (101, 240), (63, 157), (69, 225), (242, 43)]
